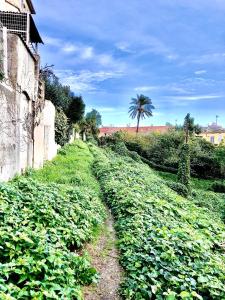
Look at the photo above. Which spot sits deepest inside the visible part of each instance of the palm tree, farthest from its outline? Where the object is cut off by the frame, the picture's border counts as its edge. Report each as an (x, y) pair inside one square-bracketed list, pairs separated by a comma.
[(141, 107)]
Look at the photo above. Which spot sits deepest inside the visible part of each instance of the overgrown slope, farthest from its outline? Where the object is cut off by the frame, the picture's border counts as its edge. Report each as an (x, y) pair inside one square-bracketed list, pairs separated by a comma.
[(42, 226), (170, 248)]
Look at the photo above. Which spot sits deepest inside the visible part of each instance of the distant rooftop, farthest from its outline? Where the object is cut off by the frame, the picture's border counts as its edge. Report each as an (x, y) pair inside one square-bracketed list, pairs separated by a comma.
[(213, 127), (143, 130)]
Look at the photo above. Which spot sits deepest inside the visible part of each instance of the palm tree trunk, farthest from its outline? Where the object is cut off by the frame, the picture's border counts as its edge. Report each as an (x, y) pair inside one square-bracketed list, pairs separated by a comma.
[(138, 122)]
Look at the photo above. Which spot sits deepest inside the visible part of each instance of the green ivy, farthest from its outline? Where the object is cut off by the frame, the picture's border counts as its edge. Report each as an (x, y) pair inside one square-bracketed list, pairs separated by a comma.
[(43, 227), (170, 248), (183, 175)]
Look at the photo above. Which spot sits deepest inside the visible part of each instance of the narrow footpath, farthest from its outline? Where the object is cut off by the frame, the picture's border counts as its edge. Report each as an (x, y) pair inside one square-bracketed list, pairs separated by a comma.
[(105, 258)]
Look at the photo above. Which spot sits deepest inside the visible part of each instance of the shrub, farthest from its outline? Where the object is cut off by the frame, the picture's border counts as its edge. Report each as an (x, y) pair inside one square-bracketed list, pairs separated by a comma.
[(120, 148), (179, 188), (183, 175), (170, 248), (159, 167), (207, 161), (62, 128), (218, 187), (215, 203)]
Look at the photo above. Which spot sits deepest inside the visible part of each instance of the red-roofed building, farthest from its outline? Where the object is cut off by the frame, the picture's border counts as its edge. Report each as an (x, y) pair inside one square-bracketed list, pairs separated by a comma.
[(142, 130)]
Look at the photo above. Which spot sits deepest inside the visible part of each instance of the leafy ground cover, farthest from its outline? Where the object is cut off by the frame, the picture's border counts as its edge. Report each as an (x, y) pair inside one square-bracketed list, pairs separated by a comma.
[(201, 196), (170, 248), (196, 183), (43, 224)]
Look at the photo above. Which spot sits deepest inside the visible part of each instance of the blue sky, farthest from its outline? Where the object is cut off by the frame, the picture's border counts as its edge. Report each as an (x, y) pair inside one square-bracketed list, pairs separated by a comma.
[(170, 50)]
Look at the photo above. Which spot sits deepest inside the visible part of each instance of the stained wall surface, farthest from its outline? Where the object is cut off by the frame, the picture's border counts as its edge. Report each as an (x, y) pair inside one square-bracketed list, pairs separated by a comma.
[(23, 144)]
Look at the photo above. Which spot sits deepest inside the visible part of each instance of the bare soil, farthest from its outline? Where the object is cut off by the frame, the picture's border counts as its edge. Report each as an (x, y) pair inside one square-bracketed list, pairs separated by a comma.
[(105, 258)]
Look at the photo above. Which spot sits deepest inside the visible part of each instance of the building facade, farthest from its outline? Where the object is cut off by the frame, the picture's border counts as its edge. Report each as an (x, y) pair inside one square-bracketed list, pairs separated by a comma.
[(17, 6), (215, 138), (23, 109)]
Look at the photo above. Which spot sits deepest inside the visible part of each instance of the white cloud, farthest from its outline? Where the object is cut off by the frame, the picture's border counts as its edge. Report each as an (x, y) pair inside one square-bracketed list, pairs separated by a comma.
[(200, 72), (105, 60), (51, 41), (199, 97), (168, 87), (70, 48), (85, 80), (187, 100), (87, 52), (143, 89), (124, 47)]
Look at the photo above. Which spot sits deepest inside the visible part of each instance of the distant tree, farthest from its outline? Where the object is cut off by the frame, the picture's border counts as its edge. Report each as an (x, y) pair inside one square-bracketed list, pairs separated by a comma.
[(60, 95), (95, 115), (141, 107), (89, 128), (169, 124), (76, 109), (62, 131), (198, 129), (184, 169), (190, 127)]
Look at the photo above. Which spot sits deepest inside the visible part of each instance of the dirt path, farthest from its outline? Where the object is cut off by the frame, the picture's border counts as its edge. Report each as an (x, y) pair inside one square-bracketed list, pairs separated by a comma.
[(104, 257)]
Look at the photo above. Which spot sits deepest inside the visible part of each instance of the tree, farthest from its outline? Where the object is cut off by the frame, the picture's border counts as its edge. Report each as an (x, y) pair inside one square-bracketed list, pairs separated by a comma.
[(89, 128), (62, 127), (60, 95), (76, 109), (184, 173), (184, 169), (141, 107), (190, 127), (94, 114)]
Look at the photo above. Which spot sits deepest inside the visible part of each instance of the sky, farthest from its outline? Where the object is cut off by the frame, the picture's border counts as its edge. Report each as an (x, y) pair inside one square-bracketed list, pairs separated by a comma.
[(172, 51)]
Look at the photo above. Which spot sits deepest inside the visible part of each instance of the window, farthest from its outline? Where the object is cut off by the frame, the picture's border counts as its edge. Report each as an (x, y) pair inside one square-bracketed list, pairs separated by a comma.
[(220, 138), (212, 139)]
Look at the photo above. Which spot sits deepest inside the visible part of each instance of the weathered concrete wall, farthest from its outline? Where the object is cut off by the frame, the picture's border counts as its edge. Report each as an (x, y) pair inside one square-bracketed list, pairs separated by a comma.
[(23, 143), (45, 147), (50, 146), (9, 150)]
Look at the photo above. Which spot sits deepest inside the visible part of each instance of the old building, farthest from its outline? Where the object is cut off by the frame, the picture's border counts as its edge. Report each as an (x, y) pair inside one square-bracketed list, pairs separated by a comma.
[(26, 118)]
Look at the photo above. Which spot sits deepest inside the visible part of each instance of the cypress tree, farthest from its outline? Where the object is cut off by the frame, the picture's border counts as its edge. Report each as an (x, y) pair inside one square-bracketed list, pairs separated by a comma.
[(184, 173)]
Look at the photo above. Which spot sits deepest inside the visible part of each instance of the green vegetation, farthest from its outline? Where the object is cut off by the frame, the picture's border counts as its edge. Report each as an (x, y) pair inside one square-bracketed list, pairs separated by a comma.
[(196, 183), (179, 188), (44, 223), (71, 167), (162, 152), (62, 128), (218, 187), (189, 127), (94, 115), (184, 175), (170, 247), (70, 108)]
